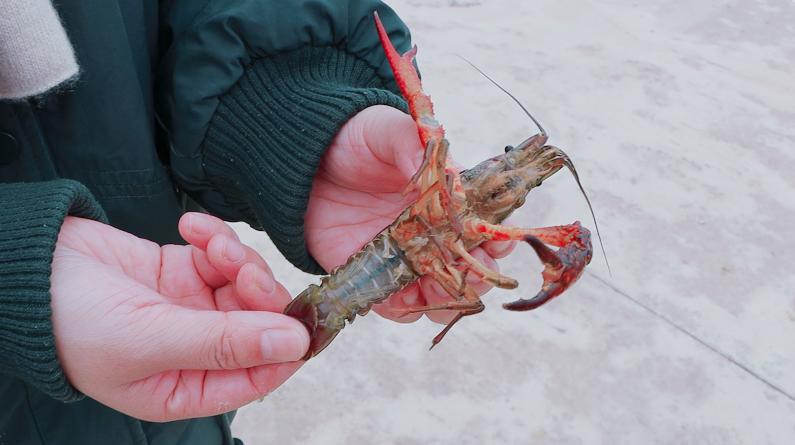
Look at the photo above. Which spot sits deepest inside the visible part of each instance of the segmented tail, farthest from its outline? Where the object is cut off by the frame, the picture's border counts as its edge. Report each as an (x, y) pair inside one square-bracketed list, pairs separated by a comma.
[(305, 310)]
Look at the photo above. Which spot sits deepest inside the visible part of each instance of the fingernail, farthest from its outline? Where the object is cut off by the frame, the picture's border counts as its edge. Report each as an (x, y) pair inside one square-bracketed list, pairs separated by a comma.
[(282, 345), (499, 247), (438, 289), (199, 224), (265, 282), (411, 298), (233, 251)]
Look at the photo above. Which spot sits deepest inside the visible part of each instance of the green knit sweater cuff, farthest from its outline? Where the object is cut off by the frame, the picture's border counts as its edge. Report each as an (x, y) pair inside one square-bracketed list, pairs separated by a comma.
[(266, 140), (31, 216)]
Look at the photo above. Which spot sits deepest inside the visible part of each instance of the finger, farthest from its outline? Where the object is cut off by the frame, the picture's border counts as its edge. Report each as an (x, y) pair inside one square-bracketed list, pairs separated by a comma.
[(226, 256), (198, 228), (245, 385), (499, 249), (392, 136), (255, 289), (175, 395), (183, 338), (407, 298), (434, 294), (208, 273), (478, 285)]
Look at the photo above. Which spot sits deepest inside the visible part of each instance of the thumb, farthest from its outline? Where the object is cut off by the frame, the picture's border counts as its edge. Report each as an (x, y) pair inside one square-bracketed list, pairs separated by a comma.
[(214, 340), (392, 136)]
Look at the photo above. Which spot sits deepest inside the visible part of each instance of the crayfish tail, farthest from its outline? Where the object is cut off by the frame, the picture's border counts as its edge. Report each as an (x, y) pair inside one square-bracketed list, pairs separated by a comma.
[(302, 308)]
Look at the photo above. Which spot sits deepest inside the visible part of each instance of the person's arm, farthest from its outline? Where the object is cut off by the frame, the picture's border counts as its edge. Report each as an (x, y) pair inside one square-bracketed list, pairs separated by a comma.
[(31, 216), (253, 96)]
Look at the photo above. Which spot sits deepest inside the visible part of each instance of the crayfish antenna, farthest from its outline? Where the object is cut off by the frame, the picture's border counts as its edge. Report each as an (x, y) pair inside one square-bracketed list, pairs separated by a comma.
[(573, 171), (540, 128)]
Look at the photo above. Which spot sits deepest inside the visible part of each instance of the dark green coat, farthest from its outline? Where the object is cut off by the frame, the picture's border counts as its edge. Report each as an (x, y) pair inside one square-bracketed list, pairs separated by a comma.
[(226, 103)]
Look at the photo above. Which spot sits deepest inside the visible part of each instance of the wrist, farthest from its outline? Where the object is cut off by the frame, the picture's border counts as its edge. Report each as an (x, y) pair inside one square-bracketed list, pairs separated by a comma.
[(267, 138)]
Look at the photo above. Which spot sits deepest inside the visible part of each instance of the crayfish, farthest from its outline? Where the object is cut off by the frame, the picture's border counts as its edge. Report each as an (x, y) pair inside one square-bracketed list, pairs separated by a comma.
[(454, 213)]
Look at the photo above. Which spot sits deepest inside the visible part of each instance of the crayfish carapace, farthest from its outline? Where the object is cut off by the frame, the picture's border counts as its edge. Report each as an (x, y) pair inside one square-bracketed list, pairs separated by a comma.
[(453, 214)]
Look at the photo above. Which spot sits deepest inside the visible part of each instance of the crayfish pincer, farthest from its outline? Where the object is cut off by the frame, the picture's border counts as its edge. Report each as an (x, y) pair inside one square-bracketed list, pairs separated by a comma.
[(454, 214)]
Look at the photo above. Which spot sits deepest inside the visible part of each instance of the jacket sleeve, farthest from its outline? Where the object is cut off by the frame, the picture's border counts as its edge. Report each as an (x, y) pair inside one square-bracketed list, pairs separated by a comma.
[(253, 93), (31, 216)]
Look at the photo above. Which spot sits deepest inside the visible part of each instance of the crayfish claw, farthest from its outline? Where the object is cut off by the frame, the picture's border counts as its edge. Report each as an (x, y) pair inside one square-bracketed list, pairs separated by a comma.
[(563, 268), (527, 305), (547, 256)]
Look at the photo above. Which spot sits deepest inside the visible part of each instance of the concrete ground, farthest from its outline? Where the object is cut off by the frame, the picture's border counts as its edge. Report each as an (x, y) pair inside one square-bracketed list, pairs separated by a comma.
[(680, 117)]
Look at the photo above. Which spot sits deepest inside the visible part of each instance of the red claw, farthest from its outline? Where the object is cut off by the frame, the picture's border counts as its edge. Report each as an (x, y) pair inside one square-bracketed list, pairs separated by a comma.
[(409, 82), (563, 267)]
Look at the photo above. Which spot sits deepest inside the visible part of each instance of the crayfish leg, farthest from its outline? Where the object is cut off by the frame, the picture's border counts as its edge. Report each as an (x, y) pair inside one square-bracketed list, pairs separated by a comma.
[(558, 236), (463, 306), (453, 281), (425, 201), (483, 272), (426, 162), (471, 306), (447, 203), (436, 340), (436, 177)]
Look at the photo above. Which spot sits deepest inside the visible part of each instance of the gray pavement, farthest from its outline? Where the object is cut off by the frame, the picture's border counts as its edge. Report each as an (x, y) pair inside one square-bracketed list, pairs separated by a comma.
[(680, 117)]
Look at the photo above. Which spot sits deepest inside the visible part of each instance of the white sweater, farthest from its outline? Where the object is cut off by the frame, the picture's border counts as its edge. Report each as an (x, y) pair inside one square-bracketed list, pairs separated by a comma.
[(35, 53)]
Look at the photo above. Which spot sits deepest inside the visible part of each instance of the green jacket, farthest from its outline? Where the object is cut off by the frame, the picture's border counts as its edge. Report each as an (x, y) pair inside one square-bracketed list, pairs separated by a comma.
[(226, 103)]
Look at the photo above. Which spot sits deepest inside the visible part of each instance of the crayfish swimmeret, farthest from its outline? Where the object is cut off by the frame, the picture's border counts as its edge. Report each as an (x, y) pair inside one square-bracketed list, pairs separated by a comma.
[(454, 213)]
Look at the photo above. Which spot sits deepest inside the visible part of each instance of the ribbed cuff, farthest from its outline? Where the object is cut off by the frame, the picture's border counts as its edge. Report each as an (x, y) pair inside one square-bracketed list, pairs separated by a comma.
[(266, 140), (31, 216)]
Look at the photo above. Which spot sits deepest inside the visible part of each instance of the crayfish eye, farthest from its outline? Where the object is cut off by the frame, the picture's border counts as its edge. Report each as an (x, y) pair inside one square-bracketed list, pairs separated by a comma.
[(495, 194), (508, 148)]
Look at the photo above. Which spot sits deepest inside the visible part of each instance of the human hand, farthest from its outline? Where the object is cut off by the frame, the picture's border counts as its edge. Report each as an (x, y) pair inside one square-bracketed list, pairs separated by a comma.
[(357, 193), (172, 332)]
